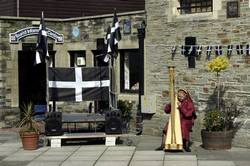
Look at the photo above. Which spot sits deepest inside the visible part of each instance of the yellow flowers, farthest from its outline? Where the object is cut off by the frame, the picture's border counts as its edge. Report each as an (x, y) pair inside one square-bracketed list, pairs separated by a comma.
[(218, 64)]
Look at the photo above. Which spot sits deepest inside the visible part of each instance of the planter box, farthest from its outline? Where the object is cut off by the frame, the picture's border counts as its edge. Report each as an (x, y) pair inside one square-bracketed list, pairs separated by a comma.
[(216, 139)]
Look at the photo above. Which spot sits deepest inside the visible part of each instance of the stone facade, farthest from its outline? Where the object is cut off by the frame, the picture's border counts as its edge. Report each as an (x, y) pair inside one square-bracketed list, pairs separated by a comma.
[(165, 28)]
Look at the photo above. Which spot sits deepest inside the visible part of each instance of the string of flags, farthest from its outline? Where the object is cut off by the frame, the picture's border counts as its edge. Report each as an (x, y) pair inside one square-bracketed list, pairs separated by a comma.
[(196, 50)]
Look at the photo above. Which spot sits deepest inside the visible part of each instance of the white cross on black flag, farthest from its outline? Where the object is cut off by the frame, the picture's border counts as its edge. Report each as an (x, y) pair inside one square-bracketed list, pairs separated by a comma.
[(42, 46), (79, 84)]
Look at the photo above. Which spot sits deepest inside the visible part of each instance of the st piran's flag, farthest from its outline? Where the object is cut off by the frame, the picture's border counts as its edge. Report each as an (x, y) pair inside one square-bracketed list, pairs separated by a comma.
[(79, 84), (42, 46), (113, 37)]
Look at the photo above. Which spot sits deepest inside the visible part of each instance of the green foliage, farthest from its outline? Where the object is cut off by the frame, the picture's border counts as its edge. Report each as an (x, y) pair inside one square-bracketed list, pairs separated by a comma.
[(224, 119), (213, 121), (126, 108), (27, 123)]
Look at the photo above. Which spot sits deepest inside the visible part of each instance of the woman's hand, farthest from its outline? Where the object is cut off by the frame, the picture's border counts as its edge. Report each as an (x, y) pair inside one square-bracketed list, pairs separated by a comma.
[(178, 104)]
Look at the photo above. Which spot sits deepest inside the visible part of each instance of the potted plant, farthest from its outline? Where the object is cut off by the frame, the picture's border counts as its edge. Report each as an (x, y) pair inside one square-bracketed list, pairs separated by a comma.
[(125, 106), (219, 121), (29, 132)]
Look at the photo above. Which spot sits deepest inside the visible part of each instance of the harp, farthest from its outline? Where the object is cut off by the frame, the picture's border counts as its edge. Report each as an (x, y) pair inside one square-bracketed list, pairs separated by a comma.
[(174, 137)]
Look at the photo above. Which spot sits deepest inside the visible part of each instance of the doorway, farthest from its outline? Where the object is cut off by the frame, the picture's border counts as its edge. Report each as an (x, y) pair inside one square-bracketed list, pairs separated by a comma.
[(31, 78)]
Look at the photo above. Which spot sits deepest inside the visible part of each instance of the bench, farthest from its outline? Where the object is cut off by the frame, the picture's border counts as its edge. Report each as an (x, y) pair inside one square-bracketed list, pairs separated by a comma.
[(55, 141)]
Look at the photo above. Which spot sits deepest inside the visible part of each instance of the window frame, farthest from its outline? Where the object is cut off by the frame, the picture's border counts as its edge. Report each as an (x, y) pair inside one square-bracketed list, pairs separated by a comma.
[(122, 79), (195, 6)]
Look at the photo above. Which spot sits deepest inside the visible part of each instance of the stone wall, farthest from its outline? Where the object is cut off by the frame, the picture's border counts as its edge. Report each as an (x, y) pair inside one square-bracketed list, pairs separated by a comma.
[(165, 29)]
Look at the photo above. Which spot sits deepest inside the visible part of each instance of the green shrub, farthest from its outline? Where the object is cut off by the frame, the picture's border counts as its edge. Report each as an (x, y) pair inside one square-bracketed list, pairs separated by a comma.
[(126, 108)]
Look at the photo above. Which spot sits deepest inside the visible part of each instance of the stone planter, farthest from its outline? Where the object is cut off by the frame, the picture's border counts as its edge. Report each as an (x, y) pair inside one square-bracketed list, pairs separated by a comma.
[(213, 140)]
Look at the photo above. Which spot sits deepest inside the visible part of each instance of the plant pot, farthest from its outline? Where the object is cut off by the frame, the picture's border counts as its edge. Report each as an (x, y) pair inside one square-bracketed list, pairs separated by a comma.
[(213, 140), (29, 140)]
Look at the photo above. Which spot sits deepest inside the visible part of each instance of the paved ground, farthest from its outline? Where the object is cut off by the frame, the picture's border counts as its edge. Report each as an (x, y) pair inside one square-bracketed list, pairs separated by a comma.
[(132, 150)]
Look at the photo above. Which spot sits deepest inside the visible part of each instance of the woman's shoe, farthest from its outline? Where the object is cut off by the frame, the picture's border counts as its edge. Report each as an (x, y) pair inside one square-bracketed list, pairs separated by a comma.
[(187, 147), (159, 148)]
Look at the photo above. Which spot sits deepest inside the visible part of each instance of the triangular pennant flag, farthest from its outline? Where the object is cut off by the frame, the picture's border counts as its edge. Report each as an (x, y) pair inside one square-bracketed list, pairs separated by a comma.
[(182, 50), (229, 50), (173, 51), (247, 49), (209, 50), (198, 52), (239, 49), (218, 50)]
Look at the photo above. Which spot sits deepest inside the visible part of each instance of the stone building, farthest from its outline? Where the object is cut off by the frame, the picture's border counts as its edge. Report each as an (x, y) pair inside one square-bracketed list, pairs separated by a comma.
[(168, 23), (68, 40), (217, 22)]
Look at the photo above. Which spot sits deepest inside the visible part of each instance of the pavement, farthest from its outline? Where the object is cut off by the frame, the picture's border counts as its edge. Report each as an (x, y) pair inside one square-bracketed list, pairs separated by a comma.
[(131, 150)]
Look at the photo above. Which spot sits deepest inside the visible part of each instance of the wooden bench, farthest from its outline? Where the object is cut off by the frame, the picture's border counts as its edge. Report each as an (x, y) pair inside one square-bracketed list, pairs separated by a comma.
[(55, 141)]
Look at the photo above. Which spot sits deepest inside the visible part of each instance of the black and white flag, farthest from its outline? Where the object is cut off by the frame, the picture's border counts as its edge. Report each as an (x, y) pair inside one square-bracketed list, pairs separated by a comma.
[(79, 84), (247, 49), (115, 37), (42, 46), (198, 50), (183, 50), (190, 50), (218, 50), (107, 39), (173, 51), (229, 50), (209, 50), (239, 49)]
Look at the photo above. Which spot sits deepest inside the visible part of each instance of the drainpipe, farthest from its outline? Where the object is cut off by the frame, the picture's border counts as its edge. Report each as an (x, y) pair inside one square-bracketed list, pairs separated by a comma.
[(139, 116)]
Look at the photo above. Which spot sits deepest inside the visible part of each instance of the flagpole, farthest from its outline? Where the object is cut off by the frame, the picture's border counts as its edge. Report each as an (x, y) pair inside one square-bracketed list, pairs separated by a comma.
[(47, 85)]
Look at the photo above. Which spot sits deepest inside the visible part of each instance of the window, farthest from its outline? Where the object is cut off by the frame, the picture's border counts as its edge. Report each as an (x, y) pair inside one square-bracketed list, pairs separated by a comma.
[(195, 6), (232, 9), (77, 58), (129, 67)]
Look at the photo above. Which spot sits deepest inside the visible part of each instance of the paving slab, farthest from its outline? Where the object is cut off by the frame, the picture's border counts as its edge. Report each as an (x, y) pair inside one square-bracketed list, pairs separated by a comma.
[(115, 158), (83, 158), (13, 163), (78, 163), (57, 153), (240, 156), (146, 163), (20, 157), (180, 157), (44, 163), (92, 147), (149, 152), (58, 158), (8, 152), (65, 148), (118, 153), (87, 153), (121, 148), (148, 157), (203, 154), (2, 157), (180, 163), (215, 163), (242, 163), (111, 163)]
